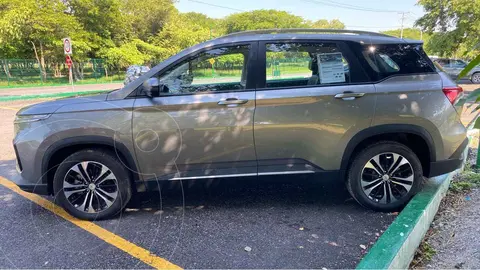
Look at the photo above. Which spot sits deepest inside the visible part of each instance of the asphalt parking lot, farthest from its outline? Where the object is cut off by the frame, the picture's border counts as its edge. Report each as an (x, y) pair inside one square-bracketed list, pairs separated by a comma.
[(287, 222)]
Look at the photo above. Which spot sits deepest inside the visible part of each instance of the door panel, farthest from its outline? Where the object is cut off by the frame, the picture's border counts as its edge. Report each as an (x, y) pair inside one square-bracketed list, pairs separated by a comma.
[(307, 129), (299, 124), (194, 136)]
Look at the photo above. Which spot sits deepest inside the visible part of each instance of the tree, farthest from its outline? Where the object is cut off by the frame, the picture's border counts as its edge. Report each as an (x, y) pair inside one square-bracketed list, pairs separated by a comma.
[(147, 17), (262, 19), (325, 24), (103, 18), (180, 32), (454, 26), (37, 27), (216, 26)]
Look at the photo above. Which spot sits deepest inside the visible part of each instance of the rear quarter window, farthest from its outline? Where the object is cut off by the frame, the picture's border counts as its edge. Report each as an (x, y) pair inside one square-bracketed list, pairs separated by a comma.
[(396, 59)]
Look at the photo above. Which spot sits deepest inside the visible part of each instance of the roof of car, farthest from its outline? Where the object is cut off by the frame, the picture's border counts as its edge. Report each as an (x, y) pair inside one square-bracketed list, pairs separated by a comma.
[(363, 37)]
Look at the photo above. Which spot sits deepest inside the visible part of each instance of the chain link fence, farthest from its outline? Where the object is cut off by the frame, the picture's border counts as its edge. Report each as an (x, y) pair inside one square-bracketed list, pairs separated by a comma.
[(18, 72)]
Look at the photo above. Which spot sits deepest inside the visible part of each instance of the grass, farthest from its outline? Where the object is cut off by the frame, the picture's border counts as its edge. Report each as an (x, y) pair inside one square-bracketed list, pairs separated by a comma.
[(467, 180), (52, 95), (425, 253), (56, 82)]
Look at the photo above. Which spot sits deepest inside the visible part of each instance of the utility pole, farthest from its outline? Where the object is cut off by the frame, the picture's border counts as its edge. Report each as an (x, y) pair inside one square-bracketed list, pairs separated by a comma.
[(403, 20), (421, 34)]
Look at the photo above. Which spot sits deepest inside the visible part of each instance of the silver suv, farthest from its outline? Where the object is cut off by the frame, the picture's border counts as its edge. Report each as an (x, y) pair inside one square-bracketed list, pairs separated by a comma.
[(453, 67), (364, 108)]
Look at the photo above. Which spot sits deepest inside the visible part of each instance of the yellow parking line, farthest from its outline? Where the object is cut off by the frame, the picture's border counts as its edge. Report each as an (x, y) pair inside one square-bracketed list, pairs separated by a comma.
[(107, 236), (8, 108)]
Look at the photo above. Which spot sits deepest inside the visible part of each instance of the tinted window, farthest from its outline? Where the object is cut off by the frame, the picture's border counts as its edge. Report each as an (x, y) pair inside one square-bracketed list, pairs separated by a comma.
[(396, 59), (442, 62), (302, 64), (457, 63), (221, 69)]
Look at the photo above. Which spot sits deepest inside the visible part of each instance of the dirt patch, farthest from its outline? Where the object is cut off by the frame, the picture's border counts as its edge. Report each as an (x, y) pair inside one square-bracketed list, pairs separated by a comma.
[(453, 240)]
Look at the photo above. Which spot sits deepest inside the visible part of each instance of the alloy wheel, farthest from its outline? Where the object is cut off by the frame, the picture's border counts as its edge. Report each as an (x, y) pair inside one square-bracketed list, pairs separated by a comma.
[(387, 177), (90, 187), (476, 78)]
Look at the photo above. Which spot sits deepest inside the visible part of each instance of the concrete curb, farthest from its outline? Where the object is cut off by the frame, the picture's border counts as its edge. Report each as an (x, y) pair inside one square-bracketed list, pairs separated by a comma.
[(52, 95), (396, 247)]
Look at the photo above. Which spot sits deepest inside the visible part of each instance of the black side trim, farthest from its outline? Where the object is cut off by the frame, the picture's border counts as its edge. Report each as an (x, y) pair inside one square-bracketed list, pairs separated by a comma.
[(449, 165), (90, 141), (18, 157), (41, 189), (33, 188), (384, 129), (444, 166)]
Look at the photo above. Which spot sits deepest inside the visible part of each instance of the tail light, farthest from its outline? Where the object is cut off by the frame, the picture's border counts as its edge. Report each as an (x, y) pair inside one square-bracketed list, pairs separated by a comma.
[(453, 93)]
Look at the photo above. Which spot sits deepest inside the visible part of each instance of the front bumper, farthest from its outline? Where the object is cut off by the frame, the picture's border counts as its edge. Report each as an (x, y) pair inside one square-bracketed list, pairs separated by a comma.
[(449, 165), (40, 188)]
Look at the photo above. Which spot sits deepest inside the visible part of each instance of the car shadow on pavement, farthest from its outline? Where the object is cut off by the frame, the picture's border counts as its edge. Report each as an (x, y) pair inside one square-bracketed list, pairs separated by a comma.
[(250, 192)]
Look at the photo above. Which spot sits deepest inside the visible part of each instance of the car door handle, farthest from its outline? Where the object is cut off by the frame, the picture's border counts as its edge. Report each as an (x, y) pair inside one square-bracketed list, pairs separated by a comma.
[(230, 101), (349, 95)]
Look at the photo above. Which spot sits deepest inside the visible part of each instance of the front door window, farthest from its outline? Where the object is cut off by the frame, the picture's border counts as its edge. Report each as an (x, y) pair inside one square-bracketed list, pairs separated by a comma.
[(220, 69)]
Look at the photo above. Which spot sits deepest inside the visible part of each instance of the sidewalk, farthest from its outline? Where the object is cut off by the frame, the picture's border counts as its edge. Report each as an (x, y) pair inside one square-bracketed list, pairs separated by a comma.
[(58, 89)]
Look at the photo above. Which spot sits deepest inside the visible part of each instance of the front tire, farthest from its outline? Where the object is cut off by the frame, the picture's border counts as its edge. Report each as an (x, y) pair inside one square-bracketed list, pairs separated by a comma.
[(92, 184), (385, 176)]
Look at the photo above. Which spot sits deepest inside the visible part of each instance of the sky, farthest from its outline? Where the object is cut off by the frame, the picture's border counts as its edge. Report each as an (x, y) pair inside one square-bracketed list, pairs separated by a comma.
[(385, 15)]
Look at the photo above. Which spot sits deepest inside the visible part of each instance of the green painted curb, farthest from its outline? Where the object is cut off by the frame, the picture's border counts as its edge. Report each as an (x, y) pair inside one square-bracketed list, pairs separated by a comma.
[(53, 95)]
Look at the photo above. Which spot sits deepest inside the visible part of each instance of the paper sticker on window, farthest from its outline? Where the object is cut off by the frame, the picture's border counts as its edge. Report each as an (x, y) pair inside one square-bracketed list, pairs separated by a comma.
[(330, 67)]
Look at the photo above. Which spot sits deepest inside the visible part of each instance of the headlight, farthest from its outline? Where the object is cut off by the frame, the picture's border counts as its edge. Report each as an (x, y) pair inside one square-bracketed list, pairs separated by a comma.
[(30, 118)]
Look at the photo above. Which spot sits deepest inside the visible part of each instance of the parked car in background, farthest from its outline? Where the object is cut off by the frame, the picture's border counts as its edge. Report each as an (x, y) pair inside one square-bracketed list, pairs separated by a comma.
[(364, 108), (453, 67)]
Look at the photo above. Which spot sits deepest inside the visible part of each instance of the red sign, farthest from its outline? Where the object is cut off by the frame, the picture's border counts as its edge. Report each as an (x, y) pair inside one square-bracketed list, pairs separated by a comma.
[(68, 61)]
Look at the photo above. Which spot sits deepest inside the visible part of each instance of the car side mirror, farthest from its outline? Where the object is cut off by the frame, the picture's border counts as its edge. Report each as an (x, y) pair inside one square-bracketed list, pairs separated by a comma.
[(151, 87)]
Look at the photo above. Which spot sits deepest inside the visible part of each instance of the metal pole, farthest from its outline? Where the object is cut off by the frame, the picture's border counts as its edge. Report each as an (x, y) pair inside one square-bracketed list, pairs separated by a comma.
[(403, 19), (8, 72), (478, 157)]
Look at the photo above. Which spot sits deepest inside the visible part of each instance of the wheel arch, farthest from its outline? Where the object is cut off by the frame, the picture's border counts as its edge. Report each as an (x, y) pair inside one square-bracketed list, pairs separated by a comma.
[(58, 151), (417, 138), (473, 73)]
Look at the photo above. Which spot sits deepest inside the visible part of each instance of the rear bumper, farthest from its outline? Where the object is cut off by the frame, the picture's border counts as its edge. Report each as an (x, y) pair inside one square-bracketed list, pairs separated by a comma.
[(449, 165)]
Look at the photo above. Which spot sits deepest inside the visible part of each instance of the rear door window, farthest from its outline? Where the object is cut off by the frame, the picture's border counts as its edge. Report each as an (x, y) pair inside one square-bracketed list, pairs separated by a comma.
[(305, 64), (397, 59)]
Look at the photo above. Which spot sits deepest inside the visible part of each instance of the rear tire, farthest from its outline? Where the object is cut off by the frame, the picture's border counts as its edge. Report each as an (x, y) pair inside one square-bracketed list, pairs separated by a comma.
[(92, 184), (385, 176)]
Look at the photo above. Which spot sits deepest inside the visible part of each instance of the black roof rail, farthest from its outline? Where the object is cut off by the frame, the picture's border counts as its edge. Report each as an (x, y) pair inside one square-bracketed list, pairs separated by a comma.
[(306, 30)]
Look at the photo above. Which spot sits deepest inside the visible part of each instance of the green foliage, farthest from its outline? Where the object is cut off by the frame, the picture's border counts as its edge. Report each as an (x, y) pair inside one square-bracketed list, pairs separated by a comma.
[(325, 24), (262, 19), (466, 181), (123, 32), (454, 25), (179, 32)]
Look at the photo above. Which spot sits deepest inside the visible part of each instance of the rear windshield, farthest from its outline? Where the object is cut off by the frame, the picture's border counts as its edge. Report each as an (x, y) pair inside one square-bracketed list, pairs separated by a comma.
[(396, 59)]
